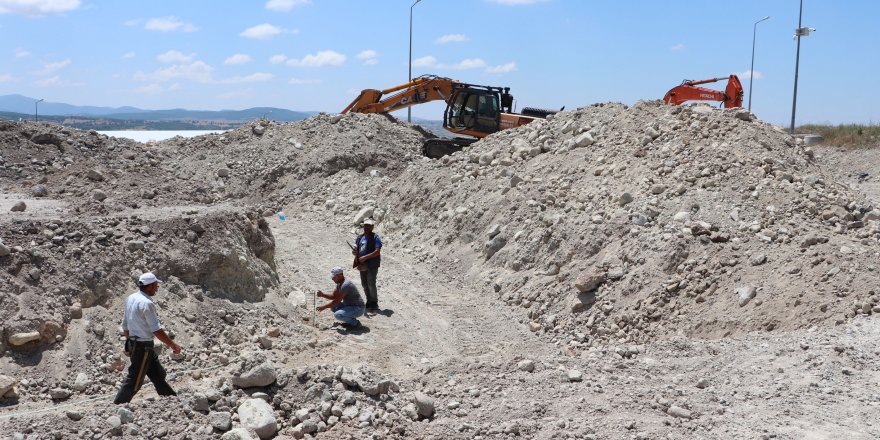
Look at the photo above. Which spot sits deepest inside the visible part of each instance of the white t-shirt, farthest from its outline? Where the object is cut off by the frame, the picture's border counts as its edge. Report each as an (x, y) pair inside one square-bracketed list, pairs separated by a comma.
[(140, 317)]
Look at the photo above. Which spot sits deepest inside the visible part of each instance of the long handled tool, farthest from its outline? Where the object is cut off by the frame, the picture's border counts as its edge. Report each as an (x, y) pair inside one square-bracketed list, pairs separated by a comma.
[(315, 310)]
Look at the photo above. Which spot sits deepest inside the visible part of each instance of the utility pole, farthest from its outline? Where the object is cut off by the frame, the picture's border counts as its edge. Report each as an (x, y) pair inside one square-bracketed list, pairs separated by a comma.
[(36, 118), (409, 109), (752, 71), (798, 33)]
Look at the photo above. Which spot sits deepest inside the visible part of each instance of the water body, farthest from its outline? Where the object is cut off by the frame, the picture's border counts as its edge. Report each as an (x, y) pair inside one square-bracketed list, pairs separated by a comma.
[(156, 135)]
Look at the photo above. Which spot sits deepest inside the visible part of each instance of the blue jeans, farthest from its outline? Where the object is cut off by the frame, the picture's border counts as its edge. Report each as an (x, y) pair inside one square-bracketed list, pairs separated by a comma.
[(347, 314)]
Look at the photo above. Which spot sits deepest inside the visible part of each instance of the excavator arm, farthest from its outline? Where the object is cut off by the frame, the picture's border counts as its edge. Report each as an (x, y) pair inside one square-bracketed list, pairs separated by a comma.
[(418, 91), (732, 96)]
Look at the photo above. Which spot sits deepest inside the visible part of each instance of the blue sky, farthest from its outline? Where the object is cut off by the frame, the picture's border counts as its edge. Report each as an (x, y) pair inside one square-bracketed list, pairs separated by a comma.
[(315, 55)]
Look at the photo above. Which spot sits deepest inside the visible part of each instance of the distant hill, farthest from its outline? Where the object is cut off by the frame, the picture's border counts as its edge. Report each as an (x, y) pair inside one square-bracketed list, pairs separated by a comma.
[(22, 106)]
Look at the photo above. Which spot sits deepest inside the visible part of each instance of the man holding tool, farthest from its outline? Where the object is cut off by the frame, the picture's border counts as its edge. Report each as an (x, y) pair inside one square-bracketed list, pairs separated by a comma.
[(368, 257), (345, 301)]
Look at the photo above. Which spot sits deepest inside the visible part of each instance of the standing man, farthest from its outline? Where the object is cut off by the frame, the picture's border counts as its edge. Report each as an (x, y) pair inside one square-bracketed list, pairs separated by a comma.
[(139, 325), (369, 249), (345, 301)]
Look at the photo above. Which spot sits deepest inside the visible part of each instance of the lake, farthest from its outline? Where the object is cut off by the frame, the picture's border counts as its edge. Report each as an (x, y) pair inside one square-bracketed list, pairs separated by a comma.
[(156, 135)]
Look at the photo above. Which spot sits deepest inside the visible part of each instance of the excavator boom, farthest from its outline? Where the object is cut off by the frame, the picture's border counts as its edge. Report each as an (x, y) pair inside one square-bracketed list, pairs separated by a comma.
[(732, 96), (418, 91)]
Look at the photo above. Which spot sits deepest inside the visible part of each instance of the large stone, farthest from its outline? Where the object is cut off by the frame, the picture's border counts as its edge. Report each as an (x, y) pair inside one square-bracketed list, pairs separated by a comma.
[(220, 420), (19, 206), (6, 384), (259, 376), (677, 411), (23, 338), (81, 382), (424, 405), (39, 191), (95, 175), (257, 415), (590, 279), (4, 251), (745, 294), (237, 434)]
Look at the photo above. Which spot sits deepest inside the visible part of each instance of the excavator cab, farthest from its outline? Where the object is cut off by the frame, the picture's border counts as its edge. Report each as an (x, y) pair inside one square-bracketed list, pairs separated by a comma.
[(473, 109)]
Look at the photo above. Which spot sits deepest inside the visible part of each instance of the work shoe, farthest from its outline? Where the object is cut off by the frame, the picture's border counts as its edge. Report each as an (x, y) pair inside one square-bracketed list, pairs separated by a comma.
[(356, 325)]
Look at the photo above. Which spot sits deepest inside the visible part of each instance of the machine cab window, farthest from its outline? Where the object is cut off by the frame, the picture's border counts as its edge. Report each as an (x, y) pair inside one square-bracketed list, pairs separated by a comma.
[(473, 110)]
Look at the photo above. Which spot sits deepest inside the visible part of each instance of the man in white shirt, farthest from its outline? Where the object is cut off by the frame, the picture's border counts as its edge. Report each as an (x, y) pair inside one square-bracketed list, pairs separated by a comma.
[(139, 325)]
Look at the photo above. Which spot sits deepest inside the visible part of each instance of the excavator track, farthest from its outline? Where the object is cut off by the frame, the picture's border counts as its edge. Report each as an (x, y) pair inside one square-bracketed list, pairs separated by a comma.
[(439, 147)]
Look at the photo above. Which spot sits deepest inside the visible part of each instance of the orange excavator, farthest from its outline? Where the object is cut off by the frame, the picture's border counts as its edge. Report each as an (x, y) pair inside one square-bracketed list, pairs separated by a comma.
[(732, 96), (471, 110)]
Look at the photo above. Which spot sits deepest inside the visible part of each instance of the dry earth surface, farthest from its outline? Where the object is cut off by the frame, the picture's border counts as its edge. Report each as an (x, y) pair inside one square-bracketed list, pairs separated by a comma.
[(611, 272)]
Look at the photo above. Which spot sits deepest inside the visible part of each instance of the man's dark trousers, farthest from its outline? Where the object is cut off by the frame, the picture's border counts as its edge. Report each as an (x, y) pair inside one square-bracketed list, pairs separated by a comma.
[(368, 282), (144, 361)]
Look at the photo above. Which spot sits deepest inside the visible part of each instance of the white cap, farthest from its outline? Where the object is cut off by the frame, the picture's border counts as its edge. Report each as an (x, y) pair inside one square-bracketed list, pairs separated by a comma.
[(147, 279), (369, 221), (336, 270)]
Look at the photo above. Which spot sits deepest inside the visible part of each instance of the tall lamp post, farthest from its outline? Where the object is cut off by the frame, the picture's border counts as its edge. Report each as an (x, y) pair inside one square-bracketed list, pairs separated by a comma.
[(752, 71), (35, 109), (798, 33), (409, 109)]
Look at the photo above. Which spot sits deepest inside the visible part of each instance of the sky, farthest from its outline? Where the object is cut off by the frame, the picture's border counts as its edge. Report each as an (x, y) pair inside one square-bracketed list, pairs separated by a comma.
[(316, 55)]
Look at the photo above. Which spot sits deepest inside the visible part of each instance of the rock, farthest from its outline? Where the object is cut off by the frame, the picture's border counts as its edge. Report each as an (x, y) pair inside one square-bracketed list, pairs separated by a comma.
[(4, 251), (745, 294), (7, 383), (99, 195), (47, 139), (575, 376), (81, 382), (114, 422), (625, 199), (702, 383), (527, 365), (39, 191), (583, 140), (223, 172), (237, 434), (95, 175), (19, 206), (309, 426), (534, 326), (23, 338), (758, 259), (615, 273), (682, 217), (657, 189), (589, 280), (273, 332), (220, 420), (59, 393), (136, 245), (257, 415), (375, 173), (74, 415), (125, 415), (494, 245), (261, 375), (258, 130), (677, 411), (424, 405)]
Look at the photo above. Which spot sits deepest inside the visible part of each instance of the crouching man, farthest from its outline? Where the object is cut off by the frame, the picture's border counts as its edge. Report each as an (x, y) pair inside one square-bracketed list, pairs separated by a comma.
[(345, 301)]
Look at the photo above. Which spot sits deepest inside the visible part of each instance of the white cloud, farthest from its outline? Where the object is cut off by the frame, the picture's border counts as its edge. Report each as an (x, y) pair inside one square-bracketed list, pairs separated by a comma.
[(369, 57), (452, 38), (517, 2), (52, 67), (278, 59), (56, 81), (677, 47), (37, 7), (285, 5), (263, 31), (238, 58), (320, 59), (424, 62), (198, 71), (470, 63), (6, 78), (21, 53), (128, 55), (503, 68), (748, 74), (175, 56), (256, 77), (296, 81), (169, 24)]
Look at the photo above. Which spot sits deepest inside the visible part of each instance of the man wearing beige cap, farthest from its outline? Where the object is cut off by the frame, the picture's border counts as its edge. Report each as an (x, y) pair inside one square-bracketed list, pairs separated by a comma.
[(345, 301), (139, 325)]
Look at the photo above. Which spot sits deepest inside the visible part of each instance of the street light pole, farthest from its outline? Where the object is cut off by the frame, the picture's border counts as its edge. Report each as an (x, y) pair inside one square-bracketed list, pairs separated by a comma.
[(752, 70), (800, 32), (35, 109), (409, 109)]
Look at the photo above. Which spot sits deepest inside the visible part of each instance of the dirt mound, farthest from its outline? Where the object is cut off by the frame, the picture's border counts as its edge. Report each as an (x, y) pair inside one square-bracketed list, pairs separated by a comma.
[(615, 222)]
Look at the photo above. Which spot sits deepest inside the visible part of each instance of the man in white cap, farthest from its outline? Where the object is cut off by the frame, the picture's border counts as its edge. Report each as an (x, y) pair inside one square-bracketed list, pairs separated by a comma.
[(345, 301), (139, 325), (369, 257)]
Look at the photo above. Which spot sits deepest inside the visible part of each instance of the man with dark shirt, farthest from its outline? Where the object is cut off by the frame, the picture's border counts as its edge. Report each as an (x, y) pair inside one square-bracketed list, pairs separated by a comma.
[(345, 301), (369, 253)]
